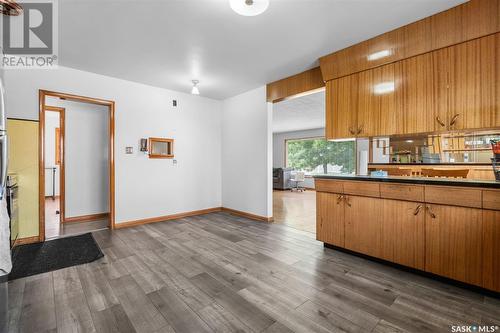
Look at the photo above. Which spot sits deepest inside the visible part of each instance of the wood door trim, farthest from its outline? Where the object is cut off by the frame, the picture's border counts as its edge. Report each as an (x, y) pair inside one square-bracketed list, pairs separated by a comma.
[(86, 218), (41, 151)]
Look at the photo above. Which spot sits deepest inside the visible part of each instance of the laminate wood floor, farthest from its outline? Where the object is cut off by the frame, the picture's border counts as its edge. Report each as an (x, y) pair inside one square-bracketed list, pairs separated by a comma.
[(221, 273)]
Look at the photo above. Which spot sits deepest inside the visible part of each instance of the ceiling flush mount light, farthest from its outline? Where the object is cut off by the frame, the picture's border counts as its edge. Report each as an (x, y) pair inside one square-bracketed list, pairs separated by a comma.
[(195, 90), (249, 7), (379, 55)]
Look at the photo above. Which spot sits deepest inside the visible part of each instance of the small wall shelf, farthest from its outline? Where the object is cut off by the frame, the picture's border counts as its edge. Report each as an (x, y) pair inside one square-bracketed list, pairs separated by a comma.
[(161, 148)]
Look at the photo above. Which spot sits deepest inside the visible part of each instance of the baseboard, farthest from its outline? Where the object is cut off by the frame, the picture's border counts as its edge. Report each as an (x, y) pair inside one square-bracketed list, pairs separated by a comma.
[(86, 218), (27, 240), (248, 215), (166, 218)]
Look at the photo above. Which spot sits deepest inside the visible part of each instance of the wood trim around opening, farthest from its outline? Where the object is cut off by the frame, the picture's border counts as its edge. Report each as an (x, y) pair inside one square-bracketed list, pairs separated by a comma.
[(248, 215), (301, 84), (166, 217), (41, 149), (86, 218), (27, 240)]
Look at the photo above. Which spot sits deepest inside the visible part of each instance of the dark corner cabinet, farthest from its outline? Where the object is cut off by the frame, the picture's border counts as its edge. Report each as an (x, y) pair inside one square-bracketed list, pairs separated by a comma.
[(451, 231)]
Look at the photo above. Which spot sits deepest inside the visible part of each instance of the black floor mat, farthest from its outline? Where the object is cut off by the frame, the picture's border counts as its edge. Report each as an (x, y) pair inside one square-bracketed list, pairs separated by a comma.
[(51, 255)]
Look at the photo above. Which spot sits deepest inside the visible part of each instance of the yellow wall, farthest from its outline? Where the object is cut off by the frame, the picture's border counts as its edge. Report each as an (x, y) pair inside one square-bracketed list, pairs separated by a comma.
[(23, 160)]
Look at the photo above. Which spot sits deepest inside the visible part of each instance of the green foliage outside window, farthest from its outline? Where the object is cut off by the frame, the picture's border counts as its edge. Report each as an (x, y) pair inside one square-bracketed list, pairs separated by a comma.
[(320, 155)]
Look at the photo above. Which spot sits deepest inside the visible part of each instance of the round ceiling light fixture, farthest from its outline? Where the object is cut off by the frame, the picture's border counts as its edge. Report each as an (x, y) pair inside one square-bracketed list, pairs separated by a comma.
[(249, 7)]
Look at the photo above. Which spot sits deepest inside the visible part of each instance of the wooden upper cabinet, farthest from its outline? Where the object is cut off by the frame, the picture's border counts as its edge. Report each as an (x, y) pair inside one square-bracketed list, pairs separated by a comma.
[(473, 19), (341, 107), (403, 232), (330, 218), (474, 84), (453, 237), (425, 92)]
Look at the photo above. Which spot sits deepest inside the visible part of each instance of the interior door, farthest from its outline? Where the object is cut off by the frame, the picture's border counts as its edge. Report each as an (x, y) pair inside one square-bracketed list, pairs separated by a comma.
[(330, 218), (362, 225), (403, 232), (453, 242)]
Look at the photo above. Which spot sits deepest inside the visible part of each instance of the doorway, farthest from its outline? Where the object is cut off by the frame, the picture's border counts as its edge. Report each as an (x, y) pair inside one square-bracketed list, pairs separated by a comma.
[(76, 168)]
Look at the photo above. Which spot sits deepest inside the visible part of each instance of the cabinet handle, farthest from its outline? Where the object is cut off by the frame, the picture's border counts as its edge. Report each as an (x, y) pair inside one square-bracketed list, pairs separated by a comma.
[(440, 121), (454, 119), (417, 210), (360, 129), (339, 198), (346, 200), (351, 130), (430, 212)]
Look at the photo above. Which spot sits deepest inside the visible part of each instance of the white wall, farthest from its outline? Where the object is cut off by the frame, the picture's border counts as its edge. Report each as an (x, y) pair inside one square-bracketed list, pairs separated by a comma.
[(86, 165), (51, 123), (247, 153), (279, 150), (144, 187)]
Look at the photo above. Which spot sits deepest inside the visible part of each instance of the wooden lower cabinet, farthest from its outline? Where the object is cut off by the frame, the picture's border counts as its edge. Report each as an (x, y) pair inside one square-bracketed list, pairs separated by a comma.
[(453, 238), (403, 232), (330, 218), (491, 249), (363, 225)]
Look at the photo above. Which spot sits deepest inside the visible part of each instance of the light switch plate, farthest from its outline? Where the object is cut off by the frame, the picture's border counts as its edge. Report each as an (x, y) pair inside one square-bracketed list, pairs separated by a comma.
[(129, 150)]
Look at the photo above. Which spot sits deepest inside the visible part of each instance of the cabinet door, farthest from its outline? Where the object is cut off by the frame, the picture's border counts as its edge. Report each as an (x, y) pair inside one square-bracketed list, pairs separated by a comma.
[(491, 249), (425, 94), (403, 232), (390, 103), (362, 225), (453, 238), (341, 107), (330, 218), (368, 110), (475, 84)]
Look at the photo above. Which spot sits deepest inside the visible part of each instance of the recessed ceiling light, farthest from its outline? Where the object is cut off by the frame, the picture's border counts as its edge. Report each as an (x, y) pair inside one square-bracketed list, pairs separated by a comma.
[(249, 7), (379, 55), (195, 90)]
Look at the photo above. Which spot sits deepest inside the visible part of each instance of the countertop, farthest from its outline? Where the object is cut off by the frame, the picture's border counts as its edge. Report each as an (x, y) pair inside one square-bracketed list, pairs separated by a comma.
[(416, 180)]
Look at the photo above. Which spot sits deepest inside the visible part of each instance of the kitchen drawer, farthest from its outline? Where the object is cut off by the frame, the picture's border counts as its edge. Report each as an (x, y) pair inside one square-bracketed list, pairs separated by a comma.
[(491, 199), (326, 185), (454, 196), (402, 192), (363, 188)]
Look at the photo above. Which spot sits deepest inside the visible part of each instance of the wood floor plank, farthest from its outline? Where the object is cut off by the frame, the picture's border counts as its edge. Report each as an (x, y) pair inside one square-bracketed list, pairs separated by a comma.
[(112, 320), (221, 320), (98, 292), (180, 316), (38, 309), (15, 303)]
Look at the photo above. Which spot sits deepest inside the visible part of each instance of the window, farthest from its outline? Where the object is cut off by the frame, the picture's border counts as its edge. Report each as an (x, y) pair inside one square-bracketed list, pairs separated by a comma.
[(317, 155)]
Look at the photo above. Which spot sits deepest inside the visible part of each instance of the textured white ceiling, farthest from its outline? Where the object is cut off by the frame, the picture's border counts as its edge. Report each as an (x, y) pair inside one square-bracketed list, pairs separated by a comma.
[(302, 113), (167, 43)]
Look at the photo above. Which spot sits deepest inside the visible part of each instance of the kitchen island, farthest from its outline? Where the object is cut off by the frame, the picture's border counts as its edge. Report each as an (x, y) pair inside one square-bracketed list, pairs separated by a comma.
[(447, 227)]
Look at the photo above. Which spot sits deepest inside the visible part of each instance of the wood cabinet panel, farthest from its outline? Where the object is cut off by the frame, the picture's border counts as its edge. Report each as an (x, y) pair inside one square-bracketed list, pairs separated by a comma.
[(402, 192), (325, 185), (491, 200), (342, 107), (362, 225), (294, 85), (330, 218), (424, 90), (491, 250), (473, 19), (370, 189), (403, 232), (453, 238), (456, 196), (474, 93)]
